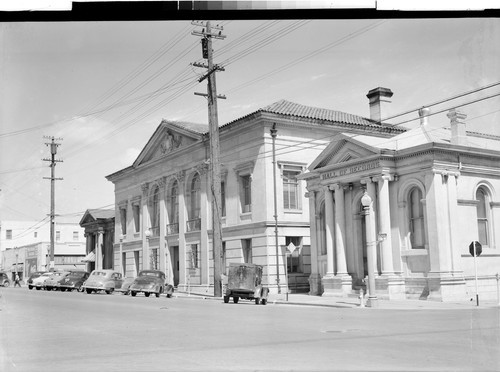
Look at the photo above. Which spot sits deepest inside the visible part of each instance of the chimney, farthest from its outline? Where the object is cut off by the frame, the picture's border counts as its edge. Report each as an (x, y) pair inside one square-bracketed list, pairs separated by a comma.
[(423, 113), (458, 130), (379, 100)]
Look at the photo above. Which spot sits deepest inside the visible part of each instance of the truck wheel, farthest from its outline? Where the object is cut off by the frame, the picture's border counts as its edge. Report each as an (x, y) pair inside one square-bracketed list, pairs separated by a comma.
[(256, 301), (236, 299), (263, 301), (226, 299)]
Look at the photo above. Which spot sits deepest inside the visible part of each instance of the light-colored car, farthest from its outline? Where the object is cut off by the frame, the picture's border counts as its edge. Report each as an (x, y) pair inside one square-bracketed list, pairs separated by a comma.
[(33, 276), (53, 281), (103, 280), (38, 283)]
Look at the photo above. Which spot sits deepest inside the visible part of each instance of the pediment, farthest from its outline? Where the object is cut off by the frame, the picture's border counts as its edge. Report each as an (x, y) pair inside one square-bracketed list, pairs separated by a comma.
[(167, 139), (342, 149)]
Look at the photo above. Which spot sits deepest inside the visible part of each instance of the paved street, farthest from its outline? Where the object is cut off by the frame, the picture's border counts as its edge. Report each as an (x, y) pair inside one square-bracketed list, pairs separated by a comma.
[(54, 331)]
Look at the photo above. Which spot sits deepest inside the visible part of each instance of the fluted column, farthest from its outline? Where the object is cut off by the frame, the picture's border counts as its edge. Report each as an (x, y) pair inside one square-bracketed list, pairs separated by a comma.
[(384, 224), (182, 228), (329, 231), (145, 226), (340, 230), (98, 250), (162, 241), (314, 278)]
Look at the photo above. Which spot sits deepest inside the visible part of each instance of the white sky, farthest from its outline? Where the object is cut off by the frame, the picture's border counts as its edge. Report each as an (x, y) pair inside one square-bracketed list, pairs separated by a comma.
[(53, 77)]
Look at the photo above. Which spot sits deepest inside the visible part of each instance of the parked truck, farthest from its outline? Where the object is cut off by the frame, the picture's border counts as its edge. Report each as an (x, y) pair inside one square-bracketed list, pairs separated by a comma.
[(244, 280)]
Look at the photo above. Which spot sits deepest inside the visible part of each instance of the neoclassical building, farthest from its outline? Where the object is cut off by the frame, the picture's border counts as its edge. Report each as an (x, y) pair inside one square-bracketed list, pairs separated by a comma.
[(433, 192), (163, 200)]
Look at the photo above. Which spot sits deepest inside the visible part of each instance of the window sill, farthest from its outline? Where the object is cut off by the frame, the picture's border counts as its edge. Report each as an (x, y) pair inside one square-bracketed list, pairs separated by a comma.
[(293, 211), (415, 252)]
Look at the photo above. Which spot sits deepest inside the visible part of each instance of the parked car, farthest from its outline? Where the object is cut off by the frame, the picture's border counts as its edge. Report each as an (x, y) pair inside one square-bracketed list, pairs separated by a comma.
[(33, 276), (73, 281), (125, 288), (103, 280), (53, 281), (38, 283), (4, 280), (150, 281)]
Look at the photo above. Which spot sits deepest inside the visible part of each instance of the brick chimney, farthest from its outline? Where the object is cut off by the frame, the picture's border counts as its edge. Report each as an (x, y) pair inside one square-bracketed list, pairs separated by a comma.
[(458, 130), (379, 100)]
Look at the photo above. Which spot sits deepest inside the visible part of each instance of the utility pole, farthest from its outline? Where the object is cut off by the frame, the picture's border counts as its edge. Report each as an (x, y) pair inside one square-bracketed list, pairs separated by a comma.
[(53, 151), (215, 180)]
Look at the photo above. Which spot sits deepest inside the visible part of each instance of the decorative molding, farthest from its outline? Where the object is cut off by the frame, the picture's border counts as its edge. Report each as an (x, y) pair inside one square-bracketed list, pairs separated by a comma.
[(202, 168), (468, 202), (181, 175), (145, 188), (170, 143)]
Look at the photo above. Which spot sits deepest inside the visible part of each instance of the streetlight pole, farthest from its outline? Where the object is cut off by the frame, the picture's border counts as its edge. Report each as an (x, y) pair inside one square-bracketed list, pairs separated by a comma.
[(371, 244), (274, 132)]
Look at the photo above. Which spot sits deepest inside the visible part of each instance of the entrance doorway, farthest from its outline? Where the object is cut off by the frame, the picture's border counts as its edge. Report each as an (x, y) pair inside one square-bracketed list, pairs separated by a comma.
[(174, 257)]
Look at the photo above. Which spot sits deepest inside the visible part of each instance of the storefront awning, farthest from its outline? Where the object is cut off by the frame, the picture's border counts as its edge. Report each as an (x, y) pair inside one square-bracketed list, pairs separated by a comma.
[(89, 258)]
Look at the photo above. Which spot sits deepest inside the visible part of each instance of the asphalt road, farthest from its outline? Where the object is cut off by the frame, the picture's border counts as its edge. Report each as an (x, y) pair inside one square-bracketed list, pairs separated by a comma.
[(55, 331)]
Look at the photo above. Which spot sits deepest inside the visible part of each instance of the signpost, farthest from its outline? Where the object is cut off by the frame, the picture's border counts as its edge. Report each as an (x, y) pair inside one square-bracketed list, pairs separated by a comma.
[(475, 250)]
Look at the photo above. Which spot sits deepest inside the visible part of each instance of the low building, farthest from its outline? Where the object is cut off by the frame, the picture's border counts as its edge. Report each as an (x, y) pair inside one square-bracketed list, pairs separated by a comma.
[(163, 200), (433, 191)]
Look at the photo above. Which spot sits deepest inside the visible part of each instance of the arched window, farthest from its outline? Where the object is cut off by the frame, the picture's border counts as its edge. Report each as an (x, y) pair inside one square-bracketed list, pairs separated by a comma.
[(173, 203), (195, 197), (416, 219), (155, 211), (482, 216)]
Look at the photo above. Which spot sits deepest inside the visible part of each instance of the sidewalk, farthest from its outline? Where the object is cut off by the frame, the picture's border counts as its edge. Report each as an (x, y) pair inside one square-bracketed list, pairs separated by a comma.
[(298, 299)]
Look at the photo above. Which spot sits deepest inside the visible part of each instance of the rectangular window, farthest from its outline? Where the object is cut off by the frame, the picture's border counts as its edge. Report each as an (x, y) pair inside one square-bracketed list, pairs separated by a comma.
[(137, 215), (246, 194), (290, 190), (294, 254), (223, 198), (194, 256), (246, 246), (75, 235), (35, 234), (58, 236), (8, 234), (123, 220)]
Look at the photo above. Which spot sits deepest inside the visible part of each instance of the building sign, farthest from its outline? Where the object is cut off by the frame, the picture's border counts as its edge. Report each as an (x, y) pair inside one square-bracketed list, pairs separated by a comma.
[(32, 252), (350, 170)]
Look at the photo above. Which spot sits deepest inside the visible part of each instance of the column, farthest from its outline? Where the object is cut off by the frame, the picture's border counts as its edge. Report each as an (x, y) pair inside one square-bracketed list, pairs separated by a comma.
[(314, 278), (163, 225), (204, 225), (340, 230), (145, 226), (454, 225), (384, 223), (329, 231), (98, 251), (182, 229)]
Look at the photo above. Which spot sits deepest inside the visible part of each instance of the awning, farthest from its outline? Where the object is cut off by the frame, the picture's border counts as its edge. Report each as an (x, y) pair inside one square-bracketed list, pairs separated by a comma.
[(89, 258)]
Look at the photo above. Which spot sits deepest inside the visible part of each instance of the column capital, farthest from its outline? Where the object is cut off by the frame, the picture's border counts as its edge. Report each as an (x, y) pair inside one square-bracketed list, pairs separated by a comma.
[(162, 181), (384, 177), (366, 180), (145, 188), (180, 176), (326, 189)]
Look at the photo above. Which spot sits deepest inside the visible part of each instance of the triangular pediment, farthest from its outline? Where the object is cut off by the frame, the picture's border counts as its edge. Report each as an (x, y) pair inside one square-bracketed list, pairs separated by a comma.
[(168, 138), (342, 148)]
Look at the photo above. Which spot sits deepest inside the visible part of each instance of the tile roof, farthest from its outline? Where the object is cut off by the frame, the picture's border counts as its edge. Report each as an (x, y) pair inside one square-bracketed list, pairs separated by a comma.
[(285, 107), (192, 127)]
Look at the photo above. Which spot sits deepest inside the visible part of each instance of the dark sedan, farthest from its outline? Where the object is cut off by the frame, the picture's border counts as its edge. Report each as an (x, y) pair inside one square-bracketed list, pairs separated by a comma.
[(149, 281), (73, 281)]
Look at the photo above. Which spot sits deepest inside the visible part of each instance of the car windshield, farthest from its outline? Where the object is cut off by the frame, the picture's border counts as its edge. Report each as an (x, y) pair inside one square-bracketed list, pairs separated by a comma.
[(35, 275), (99, 273), (76, 275)]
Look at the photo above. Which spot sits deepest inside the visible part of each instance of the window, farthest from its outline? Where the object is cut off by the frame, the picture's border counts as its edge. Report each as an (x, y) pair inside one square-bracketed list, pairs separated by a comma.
[(154, 212), (194, 256), (8, 234), (246, 245), (291, 190), (173, 203), (223, 259), (223, 198), (293, 254), (416, 219), (35, 234), (123, 220), (75, 236), (482, 217), (136, 210), (246, 193), (58, 236), (195, 197)]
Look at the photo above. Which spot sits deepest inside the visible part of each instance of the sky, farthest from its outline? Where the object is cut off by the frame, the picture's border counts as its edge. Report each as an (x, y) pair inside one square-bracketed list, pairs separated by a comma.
[(104, 87)]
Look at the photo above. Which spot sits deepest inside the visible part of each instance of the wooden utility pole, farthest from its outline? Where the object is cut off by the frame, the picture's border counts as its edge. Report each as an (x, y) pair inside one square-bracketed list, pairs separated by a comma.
[(53, 151), (215, 180)]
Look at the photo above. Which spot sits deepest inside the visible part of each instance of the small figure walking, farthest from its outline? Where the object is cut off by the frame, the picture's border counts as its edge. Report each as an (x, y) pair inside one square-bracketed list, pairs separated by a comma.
[(17, 281)]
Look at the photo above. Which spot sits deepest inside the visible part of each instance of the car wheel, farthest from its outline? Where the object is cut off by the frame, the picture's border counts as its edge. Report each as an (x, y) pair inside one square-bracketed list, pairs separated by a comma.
[(236, 299), (263, 301), (38, 288), (256, 301), (157, 294), (226, 299), (62, 289), (30, 287), (133, 293), (146, 294), (109, 291), (89, 291), (6, 284)]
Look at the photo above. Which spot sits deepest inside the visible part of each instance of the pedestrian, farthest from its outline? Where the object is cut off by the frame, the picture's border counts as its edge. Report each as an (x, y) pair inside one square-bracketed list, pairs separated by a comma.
[(17, 281)]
